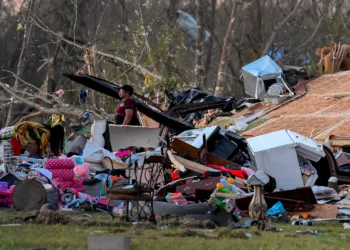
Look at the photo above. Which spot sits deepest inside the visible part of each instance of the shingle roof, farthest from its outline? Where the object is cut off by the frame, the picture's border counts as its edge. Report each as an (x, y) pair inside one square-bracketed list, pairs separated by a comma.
[(323, 111)]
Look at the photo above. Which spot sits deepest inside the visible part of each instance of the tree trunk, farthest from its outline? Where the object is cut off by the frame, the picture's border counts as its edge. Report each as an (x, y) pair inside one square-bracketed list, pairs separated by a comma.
[(169, 68), (199, 68), (220, 89), (125, 20), (90, 58), (210, 43), (21, 60)]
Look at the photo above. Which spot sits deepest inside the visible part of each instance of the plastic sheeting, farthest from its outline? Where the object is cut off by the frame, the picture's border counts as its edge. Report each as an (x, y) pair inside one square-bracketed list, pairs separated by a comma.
[(263, 67), (189, 25)]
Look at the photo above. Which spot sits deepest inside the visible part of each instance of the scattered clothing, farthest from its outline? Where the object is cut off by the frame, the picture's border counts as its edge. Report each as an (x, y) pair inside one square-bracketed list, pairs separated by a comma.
[(31, 132)]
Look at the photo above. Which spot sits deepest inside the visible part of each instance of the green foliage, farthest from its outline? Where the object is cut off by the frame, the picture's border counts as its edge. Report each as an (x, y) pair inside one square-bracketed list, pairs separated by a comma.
[(172, 37), (169, 83)]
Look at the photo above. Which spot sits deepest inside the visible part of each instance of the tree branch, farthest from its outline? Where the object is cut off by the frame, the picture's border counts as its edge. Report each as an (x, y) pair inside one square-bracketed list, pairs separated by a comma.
[(310, 38), (75, 3), (146, 39), (226, 48), (22, 56), (62, 108), (99, 23), (133, 65), (41, 95), (269, 42), (26, 117), (199, 69)]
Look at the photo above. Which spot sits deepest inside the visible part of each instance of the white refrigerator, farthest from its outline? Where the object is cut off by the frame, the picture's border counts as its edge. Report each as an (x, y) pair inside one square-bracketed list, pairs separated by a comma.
[(279, 154)]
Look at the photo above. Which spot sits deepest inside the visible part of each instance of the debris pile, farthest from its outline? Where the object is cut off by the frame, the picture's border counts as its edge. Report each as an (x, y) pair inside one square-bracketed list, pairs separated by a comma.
[(209, 174)]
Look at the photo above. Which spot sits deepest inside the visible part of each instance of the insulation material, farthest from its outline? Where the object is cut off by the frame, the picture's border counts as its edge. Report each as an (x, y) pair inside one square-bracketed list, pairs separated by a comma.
[(98, 128), (128, 136)]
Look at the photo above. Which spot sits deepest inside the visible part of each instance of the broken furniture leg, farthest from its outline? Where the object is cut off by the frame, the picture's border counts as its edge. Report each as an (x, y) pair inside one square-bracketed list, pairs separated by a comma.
[(258, 206)]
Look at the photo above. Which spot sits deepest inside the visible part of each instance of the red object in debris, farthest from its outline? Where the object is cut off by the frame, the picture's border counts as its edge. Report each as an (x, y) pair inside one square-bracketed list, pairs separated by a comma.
[(237, 173), (16, 146), (175, 175)]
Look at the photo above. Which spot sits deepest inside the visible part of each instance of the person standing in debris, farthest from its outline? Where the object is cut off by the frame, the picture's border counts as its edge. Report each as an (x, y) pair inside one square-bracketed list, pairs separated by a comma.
[(126, 113)]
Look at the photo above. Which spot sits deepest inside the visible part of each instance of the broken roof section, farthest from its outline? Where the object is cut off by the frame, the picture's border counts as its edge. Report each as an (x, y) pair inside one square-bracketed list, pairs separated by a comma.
[(323, 113)]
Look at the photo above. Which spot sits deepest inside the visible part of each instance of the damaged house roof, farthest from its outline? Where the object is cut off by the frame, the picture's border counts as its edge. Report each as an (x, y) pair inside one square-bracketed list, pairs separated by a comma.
[(322, 113)]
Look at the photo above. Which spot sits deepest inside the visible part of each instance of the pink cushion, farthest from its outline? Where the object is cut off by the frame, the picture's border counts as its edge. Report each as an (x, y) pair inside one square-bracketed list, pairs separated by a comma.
[(59, 164), (63, 174)]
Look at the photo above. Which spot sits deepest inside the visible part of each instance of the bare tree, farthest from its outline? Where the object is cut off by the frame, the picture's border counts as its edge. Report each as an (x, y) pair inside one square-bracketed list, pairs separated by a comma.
[(64, 29), (199, 68), (22, 56), (108, 55), (265, 48), (125, 20), (53, 104), (210, 42), (171, 14), (90, 61), (227, 45)]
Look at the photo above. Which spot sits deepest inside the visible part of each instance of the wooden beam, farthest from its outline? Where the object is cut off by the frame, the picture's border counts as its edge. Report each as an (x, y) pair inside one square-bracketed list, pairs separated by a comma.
[(194, 166)]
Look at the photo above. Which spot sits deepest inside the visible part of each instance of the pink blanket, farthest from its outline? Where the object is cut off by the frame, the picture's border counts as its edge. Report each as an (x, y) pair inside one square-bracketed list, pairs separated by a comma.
[(63, 174)]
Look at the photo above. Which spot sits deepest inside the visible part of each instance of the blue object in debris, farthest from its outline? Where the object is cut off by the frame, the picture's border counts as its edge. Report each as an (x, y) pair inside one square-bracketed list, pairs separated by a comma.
[(83, 95), (86, 116), (276, 209)]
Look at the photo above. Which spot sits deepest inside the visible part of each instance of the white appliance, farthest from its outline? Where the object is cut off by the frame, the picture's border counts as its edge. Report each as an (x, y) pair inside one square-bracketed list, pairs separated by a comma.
[(278, 155)]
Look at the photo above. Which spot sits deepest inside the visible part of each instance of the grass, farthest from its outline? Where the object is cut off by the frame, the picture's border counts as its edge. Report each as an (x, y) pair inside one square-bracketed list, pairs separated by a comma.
[(256, 123), (228, 121), (74, 235)]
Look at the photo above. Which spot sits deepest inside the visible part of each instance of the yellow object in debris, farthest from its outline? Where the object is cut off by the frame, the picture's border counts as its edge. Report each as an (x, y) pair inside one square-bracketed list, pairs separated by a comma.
[(230, 180), (304, 216), (19, 27), (148, 80), (219, 186), (57, 119)]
